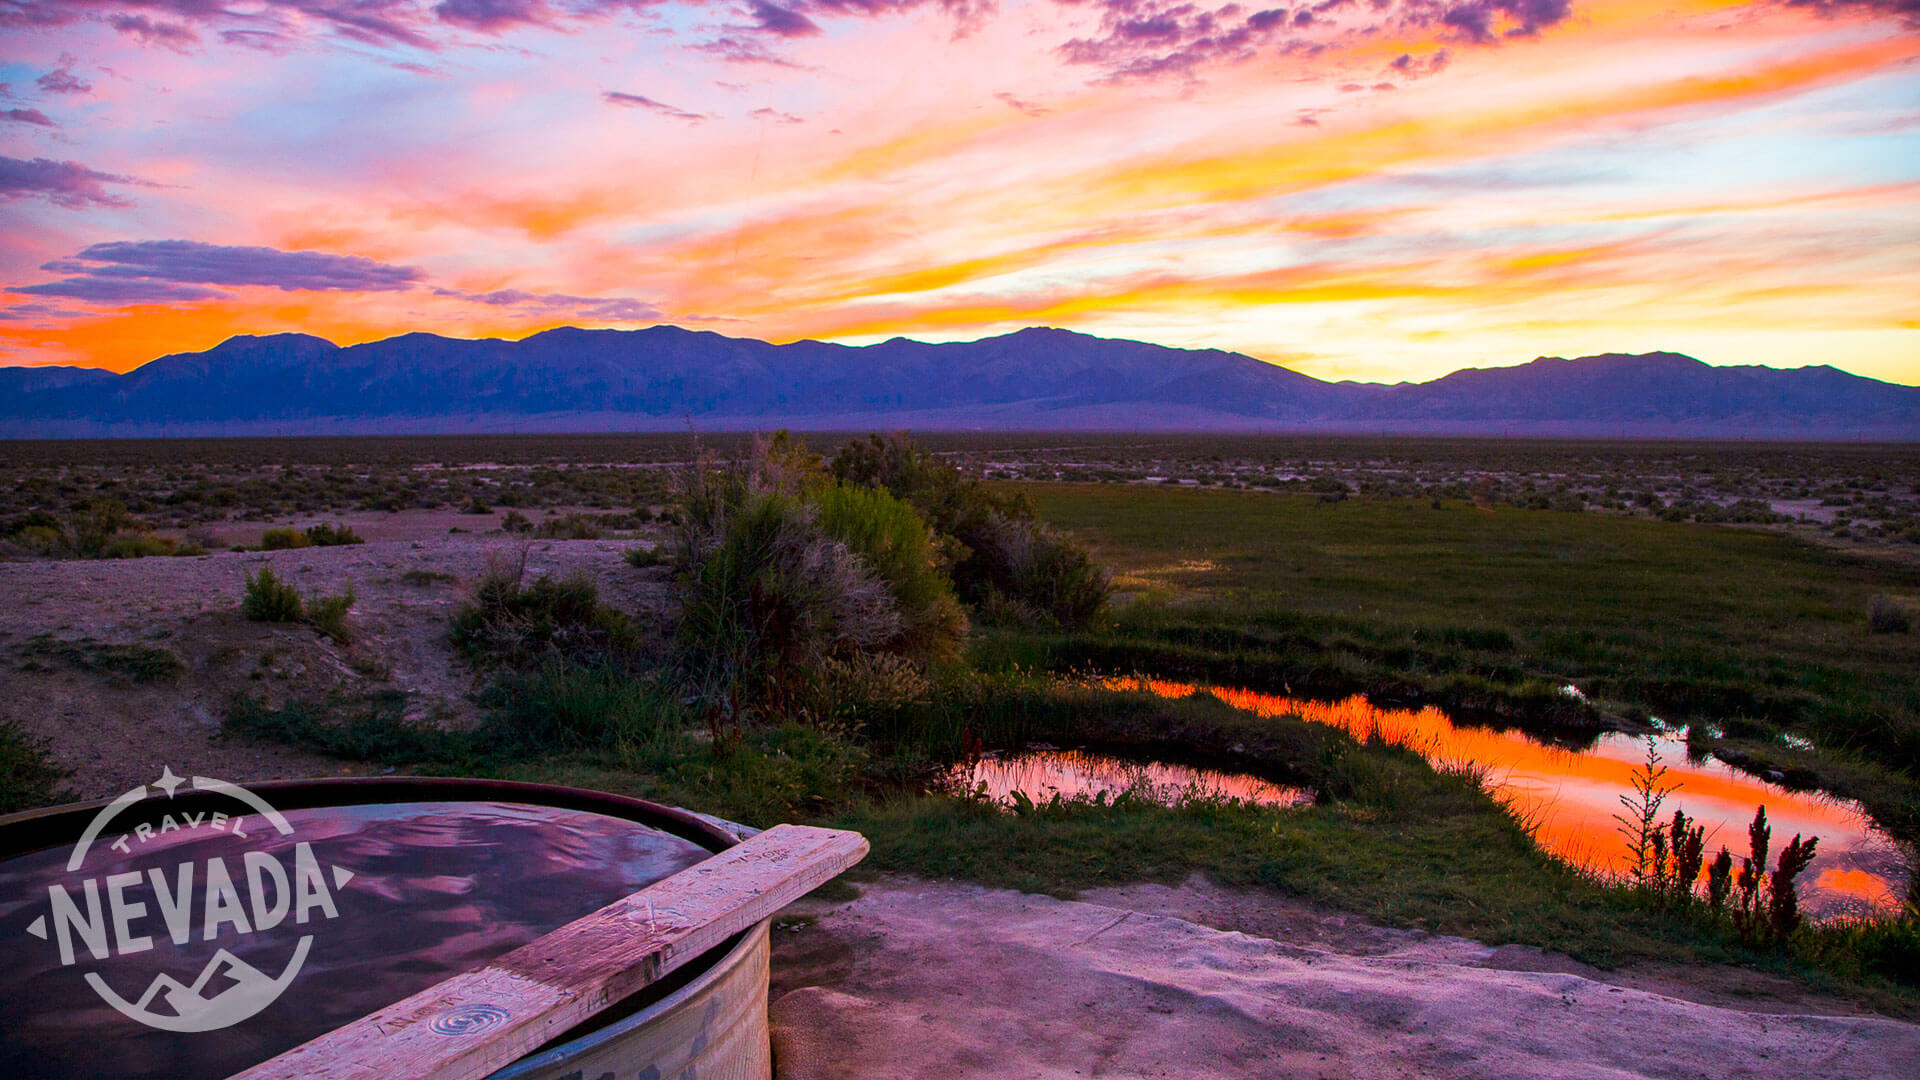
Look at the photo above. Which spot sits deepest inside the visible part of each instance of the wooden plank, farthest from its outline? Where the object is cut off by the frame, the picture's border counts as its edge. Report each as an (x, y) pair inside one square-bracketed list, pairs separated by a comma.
[(482, 1020)]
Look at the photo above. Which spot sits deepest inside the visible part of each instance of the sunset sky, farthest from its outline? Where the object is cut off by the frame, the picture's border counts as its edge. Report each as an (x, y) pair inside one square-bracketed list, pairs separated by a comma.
[(1369, 189)]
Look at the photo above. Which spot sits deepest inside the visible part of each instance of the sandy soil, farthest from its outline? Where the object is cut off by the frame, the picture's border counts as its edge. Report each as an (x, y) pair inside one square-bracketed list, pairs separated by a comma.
[(114, 734), (923, 979)]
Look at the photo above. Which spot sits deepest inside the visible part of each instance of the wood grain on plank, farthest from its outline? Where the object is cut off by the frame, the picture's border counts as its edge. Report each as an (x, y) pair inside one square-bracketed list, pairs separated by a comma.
[(483, 1020)]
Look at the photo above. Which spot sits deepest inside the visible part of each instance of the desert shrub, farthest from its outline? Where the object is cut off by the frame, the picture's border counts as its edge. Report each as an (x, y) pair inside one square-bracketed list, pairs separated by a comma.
[(332, 535), (284, 540), (1885, 616), (269, 599), (896, 543), (569, 527), (38, 539), (1049, 572), (145, 545), (328, 614), (643, 557), (769, 600), (509, 620), (476, 505), (28, 777), (516, 522), (994, 545), (95, 526)]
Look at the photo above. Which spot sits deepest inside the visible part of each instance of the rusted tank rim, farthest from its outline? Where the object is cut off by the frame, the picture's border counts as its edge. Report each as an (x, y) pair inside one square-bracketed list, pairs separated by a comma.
[(33, 830)]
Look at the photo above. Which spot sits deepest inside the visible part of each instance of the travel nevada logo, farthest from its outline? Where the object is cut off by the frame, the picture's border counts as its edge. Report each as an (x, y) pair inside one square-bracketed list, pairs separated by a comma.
[(258, 879)]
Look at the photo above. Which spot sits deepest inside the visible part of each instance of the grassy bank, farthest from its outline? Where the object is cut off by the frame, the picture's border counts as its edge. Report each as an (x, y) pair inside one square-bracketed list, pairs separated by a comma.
[(1747, 636)]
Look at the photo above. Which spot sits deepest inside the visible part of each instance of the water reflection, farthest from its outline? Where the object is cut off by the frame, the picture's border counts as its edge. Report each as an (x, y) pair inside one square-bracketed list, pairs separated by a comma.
[(437, 888), (1573, 795), (1042, 774)]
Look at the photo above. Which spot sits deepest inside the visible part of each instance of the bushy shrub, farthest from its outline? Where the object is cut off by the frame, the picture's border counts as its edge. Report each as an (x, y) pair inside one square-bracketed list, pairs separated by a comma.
[(95, 526), (332, 535), (516, 522), (145, 545), (769, 600), (284, 540), (268, 599), (569, 527), (328, 614), (1041, 570)]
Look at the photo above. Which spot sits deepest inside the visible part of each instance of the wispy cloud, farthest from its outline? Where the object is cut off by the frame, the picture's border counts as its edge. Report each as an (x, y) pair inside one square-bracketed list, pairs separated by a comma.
[(66, 184), (176, 36), (635, 101), (62, 80)]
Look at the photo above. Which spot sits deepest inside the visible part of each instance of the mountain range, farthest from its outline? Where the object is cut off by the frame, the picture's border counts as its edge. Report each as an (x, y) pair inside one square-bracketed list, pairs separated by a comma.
[(664, 377)]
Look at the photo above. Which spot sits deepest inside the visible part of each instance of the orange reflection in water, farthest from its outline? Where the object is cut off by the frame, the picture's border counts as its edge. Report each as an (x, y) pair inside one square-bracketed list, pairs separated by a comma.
[(1574, 795), (1042, 774)]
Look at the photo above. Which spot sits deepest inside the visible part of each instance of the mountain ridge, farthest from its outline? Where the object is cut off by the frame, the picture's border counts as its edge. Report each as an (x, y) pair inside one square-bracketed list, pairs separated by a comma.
[(663, 377)]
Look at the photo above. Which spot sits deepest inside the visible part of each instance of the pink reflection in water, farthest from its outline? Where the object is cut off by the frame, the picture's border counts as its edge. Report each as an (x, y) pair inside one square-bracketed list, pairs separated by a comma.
[(1076, 774)]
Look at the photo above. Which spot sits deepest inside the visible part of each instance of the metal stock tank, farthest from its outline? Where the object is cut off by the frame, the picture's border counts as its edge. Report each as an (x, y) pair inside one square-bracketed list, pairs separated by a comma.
[(201, 932)]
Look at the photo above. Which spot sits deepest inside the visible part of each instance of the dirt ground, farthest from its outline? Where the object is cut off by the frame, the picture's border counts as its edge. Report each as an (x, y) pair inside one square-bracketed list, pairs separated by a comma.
[(115, 732), (918, 979)]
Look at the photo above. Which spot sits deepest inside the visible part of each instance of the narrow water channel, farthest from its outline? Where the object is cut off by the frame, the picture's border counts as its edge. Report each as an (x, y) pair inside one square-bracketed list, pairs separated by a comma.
[(1574, 795)]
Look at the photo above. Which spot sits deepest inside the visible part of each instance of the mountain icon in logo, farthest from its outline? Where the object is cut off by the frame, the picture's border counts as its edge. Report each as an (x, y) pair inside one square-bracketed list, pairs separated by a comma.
[(225, 974), (227, 991)]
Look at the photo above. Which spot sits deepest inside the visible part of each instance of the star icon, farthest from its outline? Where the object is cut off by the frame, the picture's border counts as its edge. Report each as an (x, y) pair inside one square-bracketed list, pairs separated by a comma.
[(168, 781)]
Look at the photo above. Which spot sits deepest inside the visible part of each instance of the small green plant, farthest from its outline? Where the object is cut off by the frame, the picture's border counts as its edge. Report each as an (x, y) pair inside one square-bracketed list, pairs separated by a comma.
[(269, 599), (1679, 851), (641, 557), (1646, 842), (284, 540), (1765, 907)]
